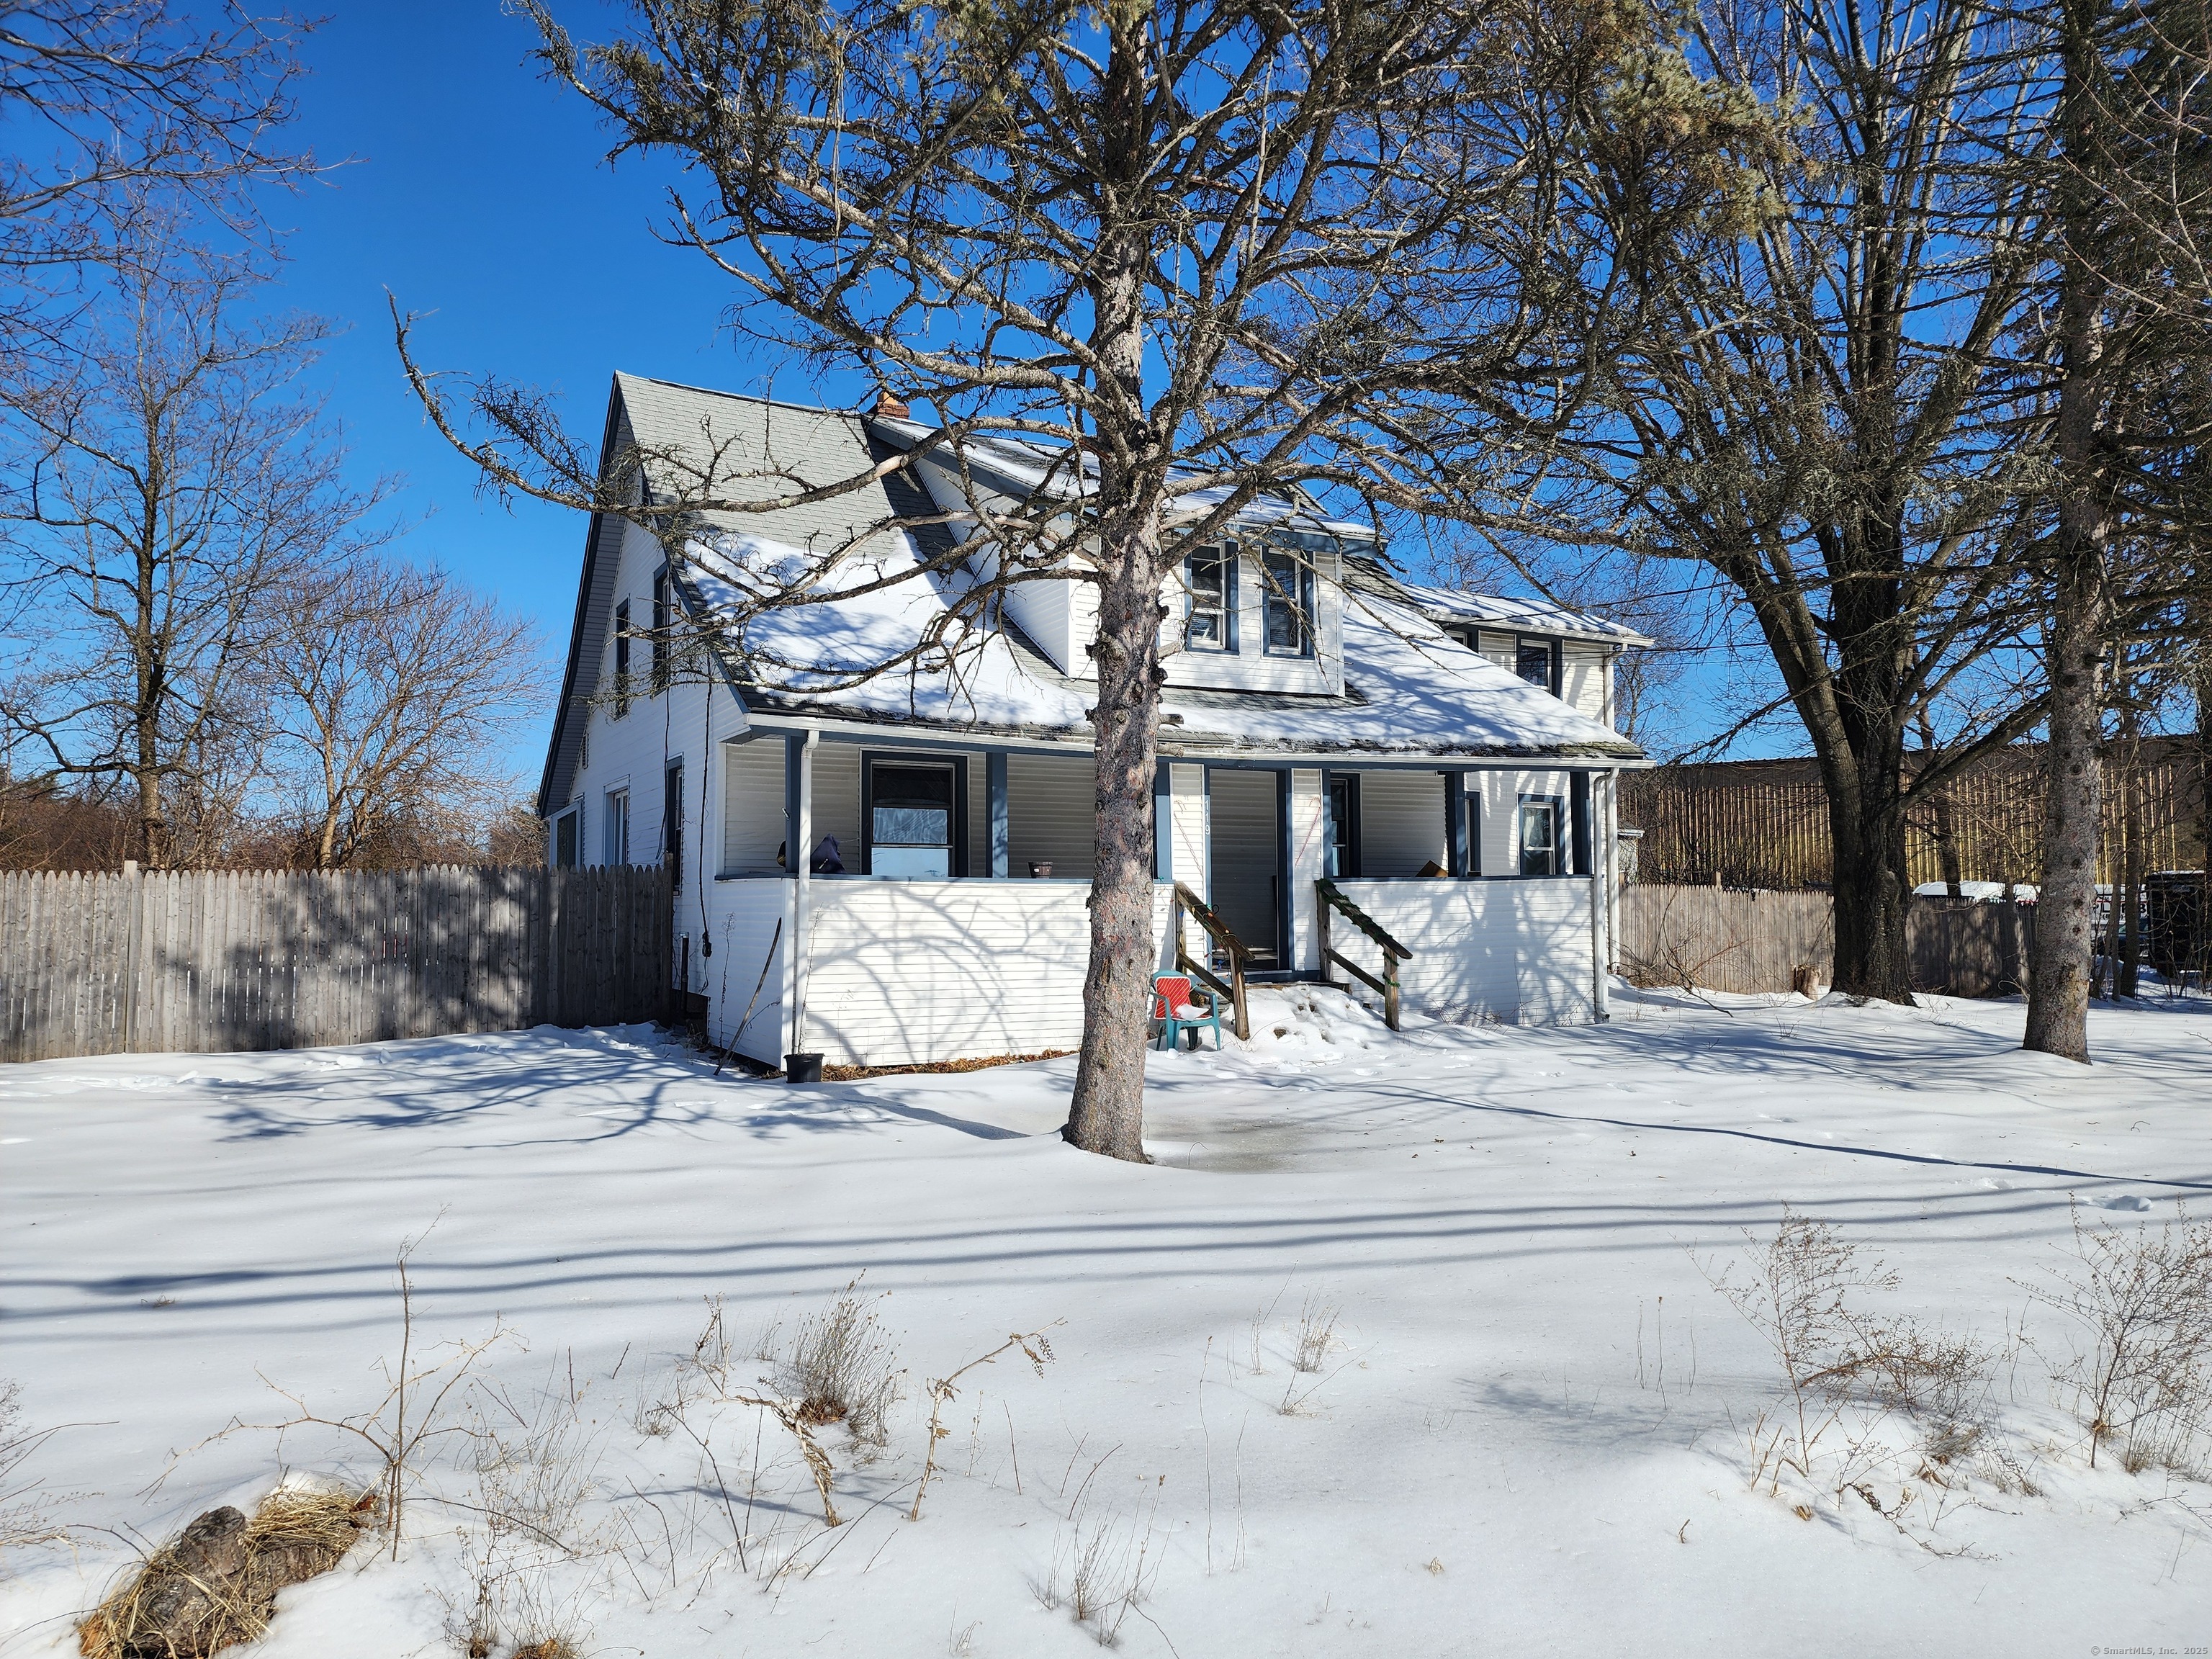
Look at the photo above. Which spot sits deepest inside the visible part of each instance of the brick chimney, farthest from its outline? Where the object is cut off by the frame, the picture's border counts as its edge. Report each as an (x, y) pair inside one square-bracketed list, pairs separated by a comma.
[(889, 408)]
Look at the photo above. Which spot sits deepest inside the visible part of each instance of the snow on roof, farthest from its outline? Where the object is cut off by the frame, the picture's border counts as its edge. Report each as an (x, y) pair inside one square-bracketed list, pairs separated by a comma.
[(808, 652), (1029, 466), (1536, 616), (1410, 689)]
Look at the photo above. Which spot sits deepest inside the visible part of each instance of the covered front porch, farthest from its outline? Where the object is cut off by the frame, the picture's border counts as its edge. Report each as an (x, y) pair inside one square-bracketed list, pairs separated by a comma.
[(944, 911)]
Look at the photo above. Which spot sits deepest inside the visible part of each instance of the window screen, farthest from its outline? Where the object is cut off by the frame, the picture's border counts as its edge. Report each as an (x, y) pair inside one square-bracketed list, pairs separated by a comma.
[(617, 849), (1290, 600), (1532, 660), (1206, 626), (564, 841), (1539, 835), (910, 821)]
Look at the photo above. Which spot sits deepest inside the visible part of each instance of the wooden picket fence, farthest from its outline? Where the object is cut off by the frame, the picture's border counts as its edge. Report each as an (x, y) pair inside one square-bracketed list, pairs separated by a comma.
[(209, 961), (1738, 939)]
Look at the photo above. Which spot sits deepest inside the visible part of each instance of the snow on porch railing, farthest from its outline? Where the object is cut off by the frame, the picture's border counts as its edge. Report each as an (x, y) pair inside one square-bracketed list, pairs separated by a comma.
[(1393, 952), (1231, 946)]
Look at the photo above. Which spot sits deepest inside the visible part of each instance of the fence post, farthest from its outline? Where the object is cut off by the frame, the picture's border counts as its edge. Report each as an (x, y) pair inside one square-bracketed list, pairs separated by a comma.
[(134, 933)]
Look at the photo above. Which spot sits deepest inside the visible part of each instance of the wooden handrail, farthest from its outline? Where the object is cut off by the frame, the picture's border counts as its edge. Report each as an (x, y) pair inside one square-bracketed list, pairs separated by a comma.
[(1235, 948), (1332, 899)]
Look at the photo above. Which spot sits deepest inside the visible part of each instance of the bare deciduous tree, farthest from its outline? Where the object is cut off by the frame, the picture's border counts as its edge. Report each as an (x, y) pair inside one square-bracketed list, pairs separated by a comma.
[(1819, 422), (164, 484), (388, 685), (1191, 257), (108, 101)]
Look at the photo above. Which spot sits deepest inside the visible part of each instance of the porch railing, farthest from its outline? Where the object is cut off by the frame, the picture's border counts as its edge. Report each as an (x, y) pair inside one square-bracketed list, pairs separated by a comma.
[(1229, 946), (1332, 899)]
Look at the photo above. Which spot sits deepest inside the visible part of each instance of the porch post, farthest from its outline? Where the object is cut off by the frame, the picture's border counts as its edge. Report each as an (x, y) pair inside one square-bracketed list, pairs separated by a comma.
[(995, 794), (1455, 821), (1607, 877), (798, 860), (1163, 824)]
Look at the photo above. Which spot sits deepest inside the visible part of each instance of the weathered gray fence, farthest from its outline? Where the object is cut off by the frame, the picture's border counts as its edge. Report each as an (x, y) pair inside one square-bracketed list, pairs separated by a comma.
[(216, 960), (1734, 939)]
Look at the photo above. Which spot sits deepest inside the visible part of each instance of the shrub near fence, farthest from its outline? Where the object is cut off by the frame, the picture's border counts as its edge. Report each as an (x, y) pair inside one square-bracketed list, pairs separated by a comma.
[(1738, 939), (219, 960)]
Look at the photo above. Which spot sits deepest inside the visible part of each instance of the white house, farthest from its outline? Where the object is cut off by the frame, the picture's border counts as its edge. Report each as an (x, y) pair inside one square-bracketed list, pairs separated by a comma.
[(1323, 721)]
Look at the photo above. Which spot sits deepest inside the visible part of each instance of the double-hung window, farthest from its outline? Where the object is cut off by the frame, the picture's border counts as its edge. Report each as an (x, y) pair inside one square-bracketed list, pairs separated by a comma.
[(622, 659), (1541, 851), (617, 849), (911, 819), (1211, 579), (564, 841), (1531, 661), (1289, 582)]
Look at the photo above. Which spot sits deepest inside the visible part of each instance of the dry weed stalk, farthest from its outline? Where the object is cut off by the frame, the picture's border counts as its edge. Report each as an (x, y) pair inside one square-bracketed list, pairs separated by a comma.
[(840, 1368), (27, 1508), (1110, 1569), (1036, 1347), (1317, 1333), (2144, 1381), (1801, 1295), (532, 1560)]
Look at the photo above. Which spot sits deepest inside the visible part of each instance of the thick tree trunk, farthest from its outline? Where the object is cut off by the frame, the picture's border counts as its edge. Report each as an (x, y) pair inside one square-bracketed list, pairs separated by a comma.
[(1873, 889), (2059, 976), (1107, 1112)]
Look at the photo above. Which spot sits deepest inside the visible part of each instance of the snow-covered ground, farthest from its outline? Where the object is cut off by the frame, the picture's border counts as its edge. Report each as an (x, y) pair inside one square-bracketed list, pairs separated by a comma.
[(1529, 1433)]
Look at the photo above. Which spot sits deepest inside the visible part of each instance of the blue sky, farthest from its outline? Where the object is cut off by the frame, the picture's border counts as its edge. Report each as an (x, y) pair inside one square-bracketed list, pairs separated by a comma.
[(478, 192)]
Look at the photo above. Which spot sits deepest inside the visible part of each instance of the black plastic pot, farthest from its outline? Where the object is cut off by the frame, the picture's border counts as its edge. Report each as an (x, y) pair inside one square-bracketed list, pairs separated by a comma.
[(802, 1068)]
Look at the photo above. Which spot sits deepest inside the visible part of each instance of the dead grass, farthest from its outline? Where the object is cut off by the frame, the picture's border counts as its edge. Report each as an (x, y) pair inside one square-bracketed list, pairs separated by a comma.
[(840, 1368), (27, 1507), (179, 1603), (856, 1073), (2143, 1382)]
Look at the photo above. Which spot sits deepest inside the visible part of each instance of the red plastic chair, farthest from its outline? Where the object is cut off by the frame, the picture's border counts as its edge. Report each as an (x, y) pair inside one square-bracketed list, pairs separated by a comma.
[(1175, 1005)]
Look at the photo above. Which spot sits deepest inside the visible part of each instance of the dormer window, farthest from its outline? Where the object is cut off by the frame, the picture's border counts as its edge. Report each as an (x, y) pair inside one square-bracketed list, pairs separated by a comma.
[(1533, 660), (1209, 624), (1289, 604)]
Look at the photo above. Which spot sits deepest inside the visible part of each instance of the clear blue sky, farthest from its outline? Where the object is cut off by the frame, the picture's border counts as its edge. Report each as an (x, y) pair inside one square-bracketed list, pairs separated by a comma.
[(477, 193)]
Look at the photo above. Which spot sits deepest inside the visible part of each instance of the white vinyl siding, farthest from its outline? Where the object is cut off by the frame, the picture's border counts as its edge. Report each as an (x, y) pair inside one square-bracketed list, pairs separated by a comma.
[(1583, 680), (1518, 952), (1187, 811), (908, 972), (1401, 824)]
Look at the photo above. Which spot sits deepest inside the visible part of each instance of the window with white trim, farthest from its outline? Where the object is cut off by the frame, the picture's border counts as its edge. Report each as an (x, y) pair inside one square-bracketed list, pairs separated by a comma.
[(1542, 821), (618, 845), (1288, 604), (1210, 580)]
